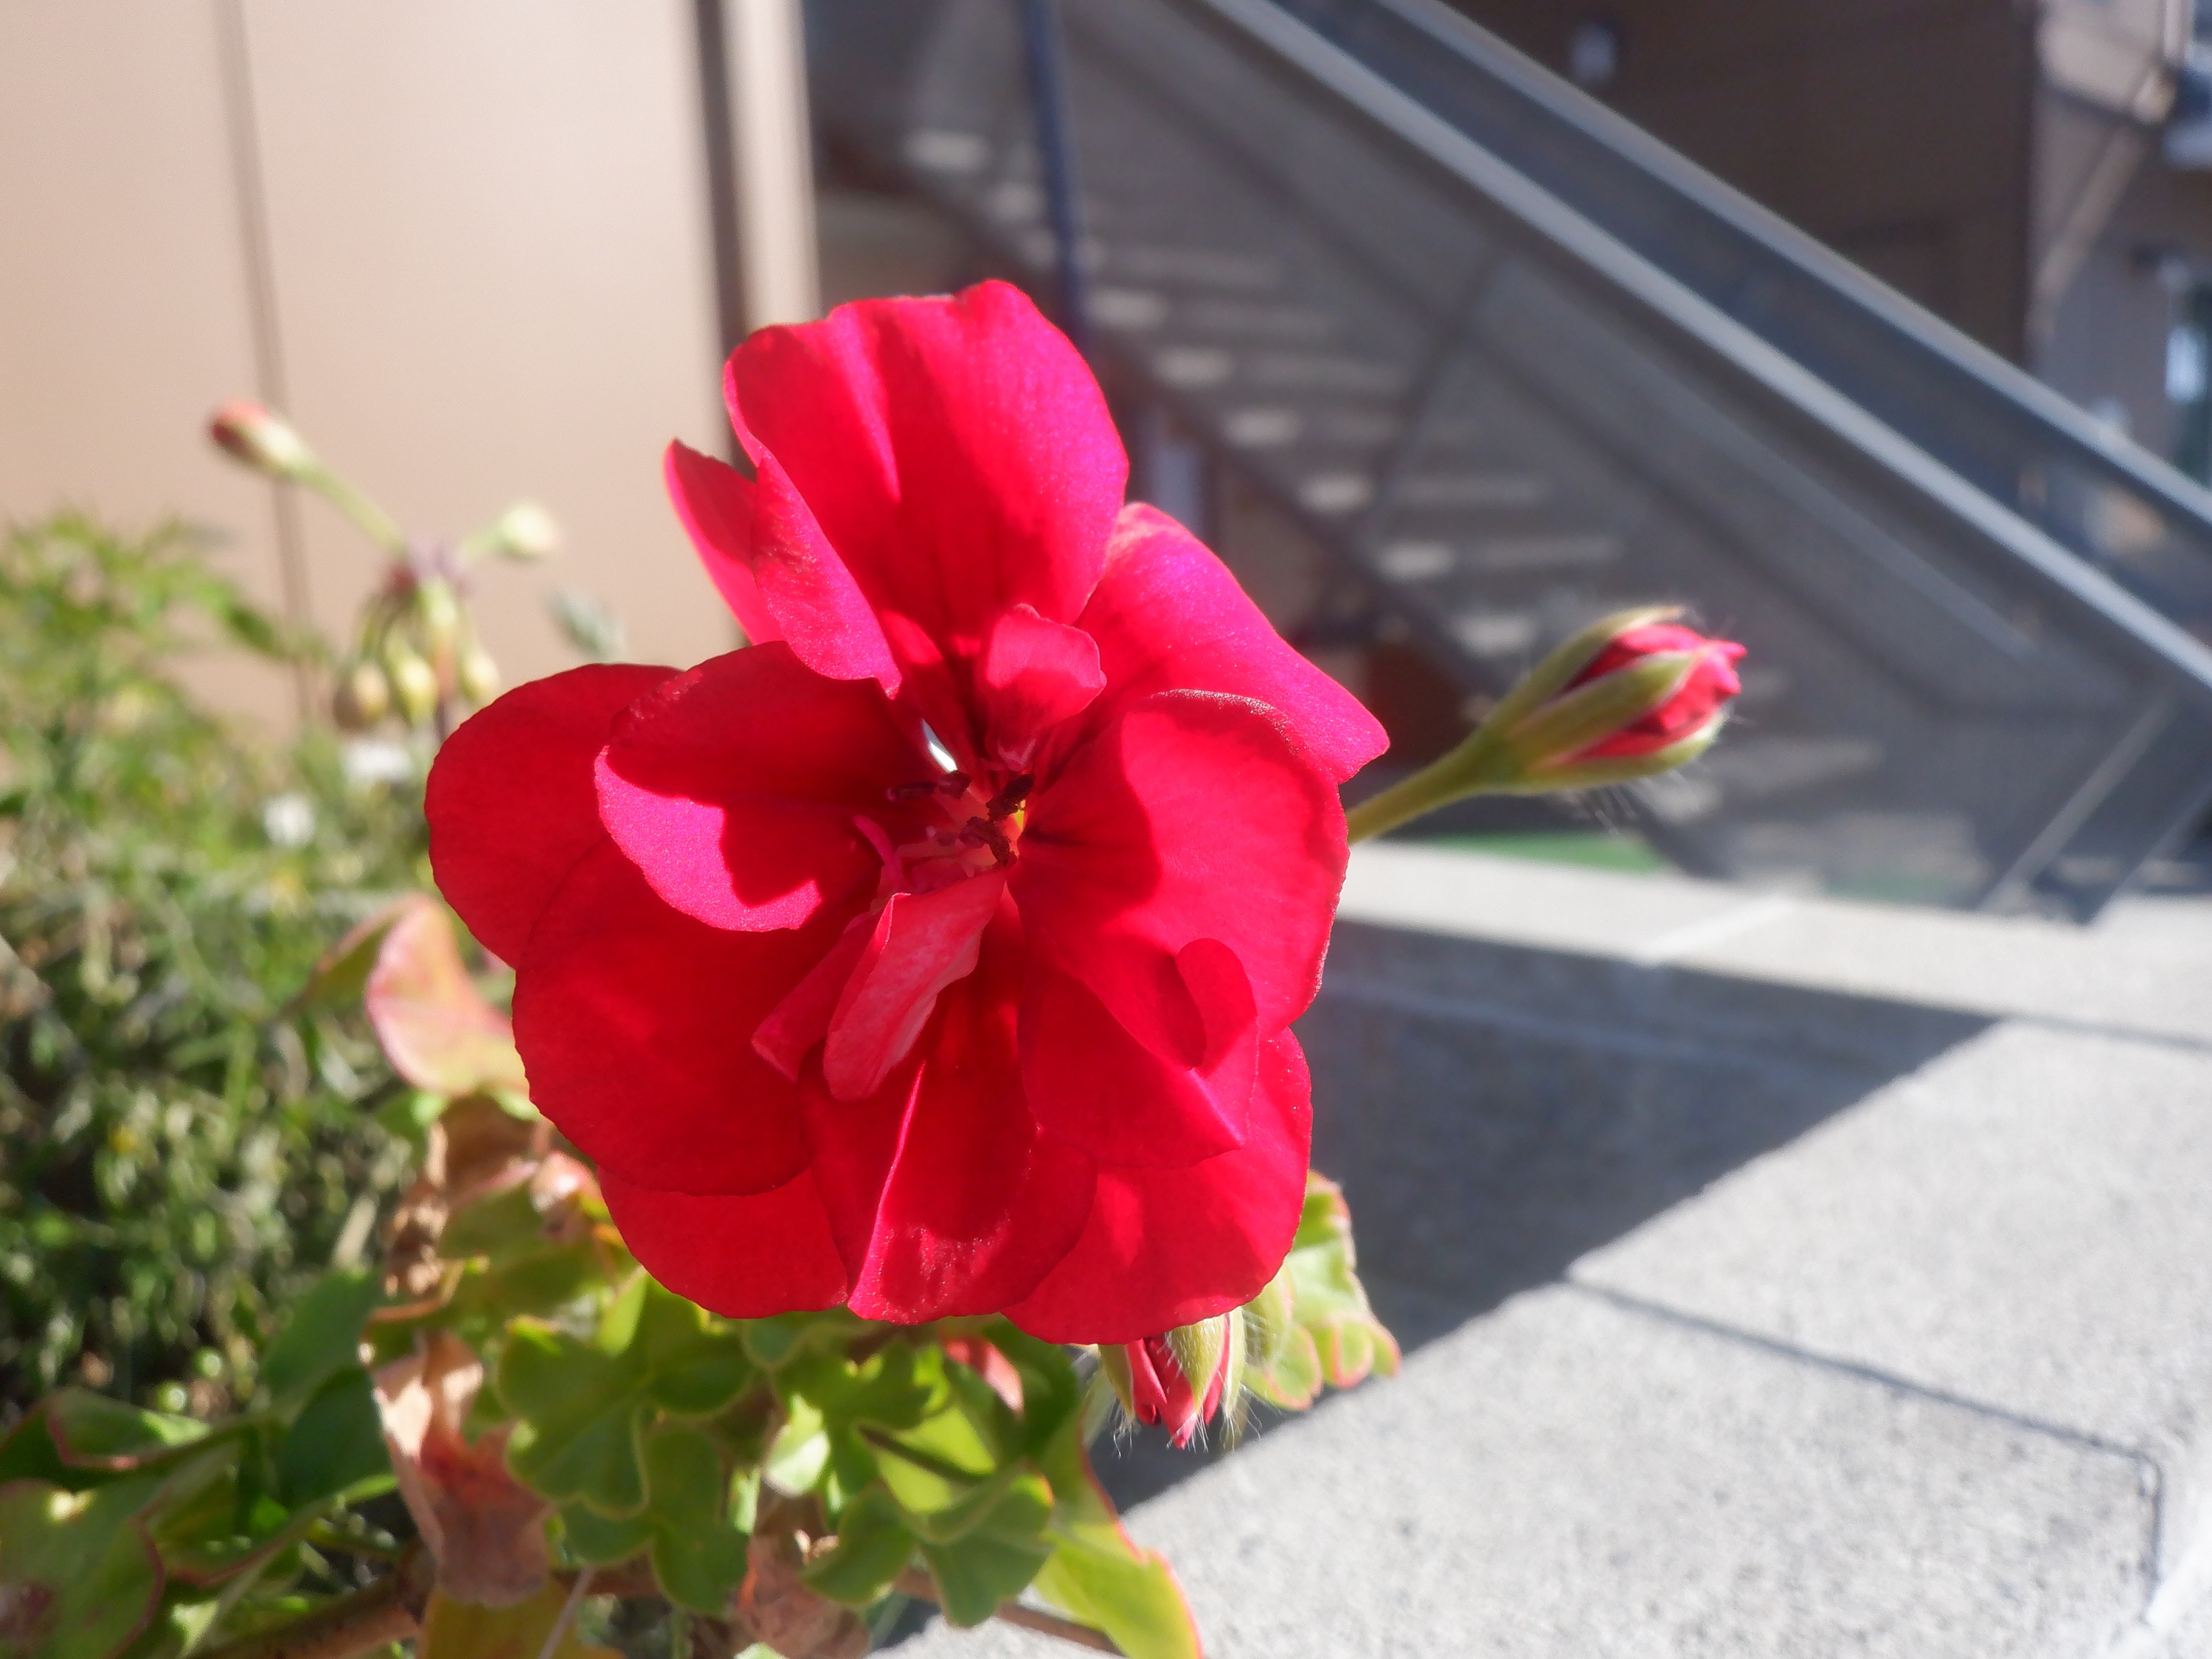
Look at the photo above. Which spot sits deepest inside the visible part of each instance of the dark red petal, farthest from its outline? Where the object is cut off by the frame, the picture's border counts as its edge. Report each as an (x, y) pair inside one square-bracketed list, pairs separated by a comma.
[(942, 1194), (713, 500), (1164, 1247), (1167, 614), (955, 451), (1192, 816), (511, 801), (635, 1024), (1093, 1084), (763, 527), (922, 943), (742, 1258), (802, 1019), (1034, 674), (734, 787)]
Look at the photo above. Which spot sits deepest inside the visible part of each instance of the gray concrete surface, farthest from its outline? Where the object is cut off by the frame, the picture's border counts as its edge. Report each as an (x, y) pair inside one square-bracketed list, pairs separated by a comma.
[(1781, 1278)]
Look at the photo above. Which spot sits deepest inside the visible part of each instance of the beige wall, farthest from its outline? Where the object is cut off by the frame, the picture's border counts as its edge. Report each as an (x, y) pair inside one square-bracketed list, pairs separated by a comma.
[(488, 239)]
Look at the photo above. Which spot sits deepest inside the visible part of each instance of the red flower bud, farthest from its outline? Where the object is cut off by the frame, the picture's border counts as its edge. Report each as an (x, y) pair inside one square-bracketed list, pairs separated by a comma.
[(263, 441), (1711, 682), (1180, 1380)]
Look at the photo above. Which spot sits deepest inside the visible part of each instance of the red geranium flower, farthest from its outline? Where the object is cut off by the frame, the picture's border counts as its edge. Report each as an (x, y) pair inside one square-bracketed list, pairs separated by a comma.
[(936, 953)]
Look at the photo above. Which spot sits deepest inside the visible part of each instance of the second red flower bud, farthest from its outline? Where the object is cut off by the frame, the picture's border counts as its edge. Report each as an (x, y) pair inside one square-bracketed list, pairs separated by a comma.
[(1183, 1380)]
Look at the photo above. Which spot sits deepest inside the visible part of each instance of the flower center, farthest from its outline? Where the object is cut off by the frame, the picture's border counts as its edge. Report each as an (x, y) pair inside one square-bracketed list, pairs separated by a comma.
[(975, 832)]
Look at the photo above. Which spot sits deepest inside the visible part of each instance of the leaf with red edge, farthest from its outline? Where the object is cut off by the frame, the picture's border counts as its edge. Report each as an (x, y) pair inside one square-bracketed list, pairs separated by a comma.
[(1313, 1323), (92, 1432), (436, 1028), (79, 1577), (1098, 1575), (341, 972)]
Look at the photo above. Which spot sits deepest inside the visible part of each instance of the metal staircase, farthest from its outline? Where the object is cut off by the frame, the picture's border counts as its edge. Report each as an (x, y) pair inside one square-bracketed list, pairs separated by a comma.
[(1516, 363)]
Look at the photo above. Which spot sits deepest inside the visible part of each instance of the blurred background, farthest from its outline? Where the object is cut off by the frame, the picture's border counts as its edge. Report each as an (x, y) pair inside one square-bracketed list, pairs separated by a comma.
[(1879, 333)]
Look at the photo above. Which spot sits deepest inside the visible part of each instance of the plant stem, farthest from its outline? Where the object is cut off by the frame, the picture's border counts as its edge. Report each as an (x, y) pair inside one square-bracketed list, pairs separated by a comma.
[(371, 1618), (374, 521), (1477, 765), (914, 1582)]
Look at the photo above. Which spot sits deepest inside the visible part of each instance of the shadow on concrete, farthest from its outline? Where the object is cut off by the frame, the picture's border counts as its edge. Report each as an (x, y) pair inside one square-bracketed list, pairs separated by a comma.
[(1496, 1112)]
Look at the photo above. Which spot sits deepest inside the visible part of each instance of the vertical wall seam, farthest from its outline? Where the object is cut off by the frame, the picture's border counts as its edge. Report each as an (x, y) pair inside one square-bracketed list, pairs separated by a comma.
[(250, 190)]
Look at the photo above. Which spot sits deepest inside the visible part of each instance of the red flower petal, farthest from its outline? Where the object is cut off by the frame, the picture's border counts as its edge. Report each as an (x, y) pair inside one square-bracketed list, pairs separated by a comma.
[(1192, 816), (763, 527), (922, 943), (1093, 1084), (742, 1258), (734, 787), (802, 1019), (1164, 1247), (1167, 614), (942, 1194), (510, 798), (635, 1024), (956, 453), (1034, 674), (716, 505)]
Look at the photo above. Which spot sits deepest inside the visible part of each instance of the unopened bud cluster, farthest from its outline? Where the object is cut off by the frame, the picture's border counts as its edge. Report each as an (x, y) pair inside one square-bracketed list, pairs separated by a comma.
[(415, 653), (1633, 695)]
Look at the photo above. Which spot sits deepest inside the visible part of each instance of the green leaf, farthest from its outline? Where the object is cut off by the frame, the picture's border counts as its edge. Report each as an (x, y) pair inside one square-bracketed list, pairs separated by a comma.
[(696, 1366), (698, 1557), (985, 1549), (874, 1544), (92, 1432), (1313, 1323), (581, 1414), (1097, 1576), (336, 1443), (80, 1574), (1015, 1504), (28, 1453), (974, 1575), (341, 973), (800, 1450), (601, 1540), (321, 1338)]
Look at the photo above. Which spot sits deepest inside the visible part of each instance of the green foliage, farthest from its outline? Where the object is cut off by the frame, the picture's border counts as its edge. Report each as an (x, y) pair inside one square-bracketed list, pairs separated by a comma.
[(128, 1530), (182, 1151), (1313, 1324), (224, 1050)]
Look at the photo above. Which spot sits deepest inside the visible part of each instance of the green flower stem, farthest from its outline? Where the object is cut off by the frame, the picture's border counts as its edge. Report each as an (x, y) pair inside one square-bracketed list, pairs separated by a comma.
[(1477, 766), (375, 523)]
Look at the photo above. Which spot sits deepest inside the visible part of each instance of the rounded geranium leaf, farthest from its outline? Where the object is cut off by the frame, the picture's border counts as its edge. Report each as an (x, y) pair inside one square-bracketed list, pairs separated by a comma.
[(510, 800)]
